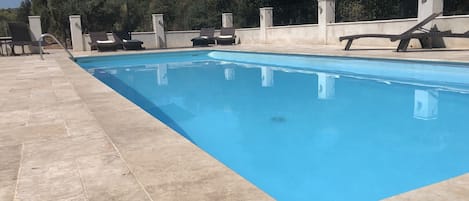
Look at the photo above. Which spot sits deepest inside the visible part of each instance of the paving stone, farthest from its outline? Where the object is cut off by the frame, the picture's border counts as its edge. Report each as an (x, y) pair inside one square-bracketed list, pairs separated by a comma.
[(44, 115), (107, 177), (188, 174), (455, 189), (58, 180), (10, 157), (24, 134), (86, 127), (13, 119), (38, 153)]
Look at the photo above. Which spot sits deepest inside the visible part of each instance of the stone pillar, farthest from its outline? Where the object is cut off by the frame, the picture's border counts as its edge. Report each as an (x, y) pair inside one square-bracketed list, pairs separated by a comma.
[(158, 28), (36, 31), (428, 7), (266, 20), (227, 20), (35, 26), (326, 15), (76, 33)]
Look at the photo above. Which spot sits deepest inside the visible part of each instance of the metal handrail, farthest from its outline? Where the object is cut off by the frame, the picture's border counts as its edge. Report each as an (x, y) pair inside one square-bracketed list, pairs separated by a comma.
[(58, 42)]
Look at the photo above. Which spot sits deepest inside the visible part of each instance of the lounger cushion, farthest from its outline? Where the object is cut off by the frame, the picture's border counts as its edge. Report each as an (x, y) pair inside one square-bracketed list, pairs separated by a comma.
[(131, 41), (105, 41), (225, 36)]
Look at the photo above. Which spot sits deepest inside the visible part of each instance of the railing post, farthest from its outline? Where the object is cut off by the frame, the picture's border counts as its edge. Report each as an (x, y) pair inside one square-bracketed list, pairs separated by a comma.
[(266, 20), (326, 15), (158, 28), (76, 33), (428, 7)]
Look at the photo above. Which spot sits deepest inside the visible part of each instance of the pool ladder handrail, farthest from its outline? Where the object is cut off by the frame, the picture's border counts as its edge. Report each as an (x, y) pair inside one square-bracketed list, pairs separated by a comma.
[(57, 41)]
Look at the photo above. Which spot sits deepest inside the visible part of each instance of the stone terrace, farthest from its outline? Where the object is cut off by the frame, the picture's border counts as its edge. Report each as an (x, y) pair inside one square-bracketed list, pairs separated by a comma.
[(66, 136)]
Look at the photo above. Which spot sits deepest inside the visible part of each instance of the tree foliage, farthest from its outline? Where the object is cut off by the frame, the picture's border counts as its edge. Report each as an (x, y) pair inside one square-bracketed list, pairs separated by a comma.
[(357, 10), (6, 15), (23, 11)]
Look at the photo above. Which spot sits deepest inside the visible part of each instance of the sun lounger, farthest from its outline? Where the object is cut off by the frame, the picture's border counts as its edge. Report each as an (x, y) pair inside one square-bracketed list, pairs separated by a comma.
[(125, 38), (227, 36), (205, 38), (458, 35), (20, 36), (101, 42), (404, 37)]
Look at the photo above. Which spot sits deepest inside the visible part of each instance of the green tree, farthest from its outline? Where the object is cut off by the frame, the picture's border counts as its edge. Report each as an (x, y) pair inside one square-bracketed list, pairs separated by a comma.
[(6, 15), (24, 11)]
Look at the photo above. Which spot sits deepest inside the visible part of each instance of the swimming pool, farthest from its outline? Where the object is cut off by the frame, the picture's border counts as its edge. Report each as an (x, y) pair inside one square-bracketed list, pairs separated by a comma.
[(307, 127)]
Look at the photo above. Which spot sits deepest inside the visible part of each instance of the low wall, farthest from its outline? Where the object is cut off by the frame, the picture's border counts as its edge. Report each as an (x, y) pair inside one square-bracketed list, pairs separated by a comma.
[(175, 39), (247, 35), (148, 39), (308, 34), (296, 34)]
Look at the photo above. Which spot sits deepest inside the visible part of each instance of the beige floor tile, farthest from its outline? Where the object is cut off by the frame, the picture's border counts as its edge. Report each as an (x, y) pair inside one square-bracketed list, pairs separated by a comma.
[(50, 181), (42, 152), (84, 127), (107, 177), (13, 119), (25, 134), (10, 157)]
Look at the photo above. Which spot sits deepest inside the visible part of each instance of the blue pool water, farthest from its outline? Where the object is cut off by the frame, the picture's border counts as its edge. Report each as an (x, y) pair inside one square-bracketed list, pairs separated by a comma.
[(307, 127)]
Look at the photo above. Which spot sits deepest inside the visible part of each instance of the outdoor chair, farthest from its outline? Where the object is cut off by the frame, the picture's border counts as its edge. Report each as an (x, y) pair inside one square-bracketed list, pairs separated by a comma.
[(125, 38), (404, 37), (100, 42), (227, 36), (20, 36), (205, 38)]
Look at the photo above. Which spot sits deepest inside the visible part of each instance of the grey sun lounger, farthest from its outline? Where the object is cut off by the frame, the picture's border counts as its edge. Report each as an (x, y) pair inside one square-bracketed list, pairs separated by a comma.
[(125, 38), (227, 36), (20, 36), (404, 37), (100, 42), (205, 38)]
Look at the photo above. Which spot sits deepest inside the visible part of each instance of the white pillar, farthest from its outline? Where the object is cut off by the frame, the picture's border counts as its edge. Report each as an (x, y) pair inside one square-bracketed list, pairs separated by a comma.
[(425, 104), (76, 33), (266, 20), (326, 15), (326, 86), (227, 20), (35, 26), (158, 28), (428, 7), (36, 31)]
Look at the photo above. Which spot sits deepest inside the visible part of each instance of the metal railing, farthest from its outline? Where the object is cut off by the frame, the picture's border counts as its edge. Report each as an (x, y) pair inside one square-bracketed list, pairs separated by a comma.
[(57, 41)]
